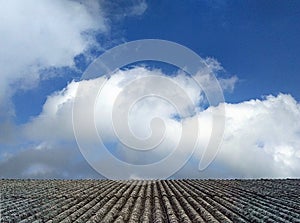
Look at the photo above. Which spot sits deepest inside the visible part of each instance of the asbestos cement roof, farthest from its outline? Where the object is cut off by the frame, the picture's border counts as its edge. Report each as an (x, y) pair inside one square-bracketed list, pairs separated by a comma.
[(150, 201)]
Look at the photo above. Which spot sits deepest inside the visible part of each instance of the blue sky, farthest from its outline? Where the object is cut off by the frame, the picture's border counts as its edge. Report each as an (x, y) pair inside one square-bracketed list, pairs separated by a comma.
[(255, 41), (258, 41)]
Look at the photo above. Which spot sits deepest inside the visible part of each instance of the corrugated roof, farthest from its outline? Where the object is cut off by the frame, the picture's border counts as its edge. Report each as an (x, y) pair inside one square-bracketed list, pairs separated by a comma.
[(150, 201)]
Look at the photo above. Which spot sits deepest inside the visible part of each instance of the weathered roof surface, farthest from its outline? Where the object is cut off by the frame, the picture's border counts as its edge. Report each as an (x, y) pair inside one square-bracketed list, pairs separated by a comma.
[(150, 201)]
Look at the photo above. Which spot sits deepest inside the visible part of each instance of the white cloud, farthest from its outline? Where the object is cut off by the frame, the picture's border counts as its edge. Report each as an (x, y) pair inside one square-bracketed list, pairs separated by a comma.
[(58, 107), (54, 124), (261, 138), (55, 121), (36, 35), (41, 34)]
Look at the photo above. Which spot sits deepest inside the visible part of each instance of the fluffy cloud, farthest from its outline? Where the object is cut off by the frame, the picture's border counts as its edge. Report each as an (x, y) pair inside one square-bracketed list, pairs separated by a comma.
[(261, 137), (37, 35), (55, 121), (58, 107), (54, 124), (50, 33), (261, 140)]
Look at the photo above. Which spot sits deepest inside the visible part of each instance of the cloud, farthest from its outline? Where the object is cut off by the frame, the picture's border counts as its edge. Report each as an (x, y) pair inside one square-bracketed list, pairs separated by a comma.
[(50, 33), (261, 140), (47, 34), (55, 121), (46, 161), (120, 9), (54, 124), (58, 106), (261, 137), (37, 35)]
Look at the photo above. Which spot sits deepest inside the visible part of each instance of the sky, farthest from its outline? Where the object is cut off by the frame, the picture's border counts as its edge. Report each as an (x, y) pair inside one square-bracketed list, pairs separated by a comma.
[(251, 47)]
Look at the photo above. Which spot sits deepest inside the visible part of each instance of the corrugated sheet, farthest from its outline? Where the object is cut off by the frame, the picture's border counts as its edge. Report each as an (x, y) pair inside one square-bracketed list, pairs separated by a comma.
[(150, 201)]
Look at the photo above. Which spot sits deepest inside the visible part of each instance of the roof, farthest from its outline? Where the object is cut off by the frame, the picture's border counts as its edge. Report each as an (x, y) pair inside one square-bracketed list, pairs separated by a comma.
[(150, 201)]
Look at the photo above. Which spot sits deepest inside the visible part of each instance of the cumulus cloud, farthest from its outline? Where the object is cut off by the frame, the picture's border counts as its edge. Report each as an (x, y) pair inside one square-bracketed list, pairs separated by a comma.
[(261, 140), (123, 78), (261, 137), (58, 107), (38, 35), (55, 122)]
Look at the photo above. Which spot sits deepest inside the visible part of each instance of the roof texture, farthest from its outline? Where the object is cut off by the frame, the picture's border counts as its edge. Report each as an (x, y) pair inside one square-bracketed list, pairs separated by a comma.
[(150, 201)]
